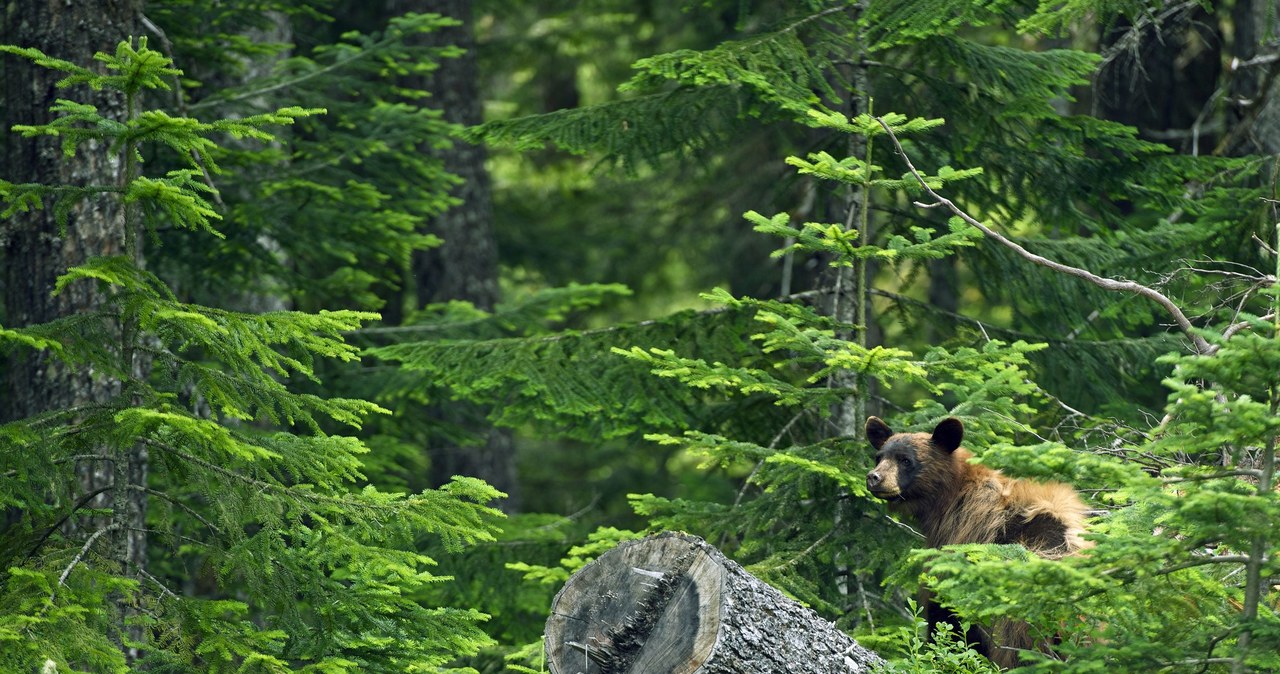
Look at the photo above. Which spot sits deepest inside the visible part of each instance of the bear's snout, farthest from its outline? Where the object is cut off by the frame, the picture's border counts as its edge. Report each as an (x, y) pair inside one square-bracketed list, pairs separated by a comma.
[(882, 481)]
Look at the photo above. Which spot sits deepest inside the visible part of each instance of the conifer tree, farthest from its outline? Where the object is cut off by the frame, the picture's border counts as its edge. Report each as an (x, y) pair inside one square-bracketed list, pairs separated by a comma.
[(360, 157), (248, 492)]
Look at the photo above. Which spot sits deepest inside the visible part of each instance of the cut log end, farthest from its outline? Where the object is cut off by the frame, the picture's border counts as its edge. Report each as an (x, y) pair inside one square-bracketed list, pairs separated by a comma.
[(673, 604), (646, 606)]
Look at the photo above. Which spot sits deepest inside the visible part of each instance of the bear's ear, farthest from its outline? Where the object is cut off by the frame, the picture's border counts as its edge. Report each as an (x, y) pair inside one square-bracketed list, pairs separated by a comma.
[(948, 434), (877, 431)]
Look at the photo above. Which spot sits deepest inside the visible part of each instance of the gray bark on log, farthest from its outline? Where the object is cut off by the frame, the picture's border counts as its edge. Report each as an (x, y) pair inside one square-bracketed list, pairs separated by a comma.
[(672, 604)]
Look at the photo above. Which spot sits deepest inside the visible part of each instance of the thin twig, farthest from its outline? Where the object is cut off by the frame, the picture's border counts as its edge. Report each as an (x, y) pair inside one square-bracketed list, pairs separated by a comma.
[(772, 445), (1243, 472), (163, 588), (1202, 346), (158, 532), (370, 52), (1237, 327), (1203, 561), (1265, 246), (185, 508), (804, 553), (62, 579), (57, 525), (84, 457), (904, 525)]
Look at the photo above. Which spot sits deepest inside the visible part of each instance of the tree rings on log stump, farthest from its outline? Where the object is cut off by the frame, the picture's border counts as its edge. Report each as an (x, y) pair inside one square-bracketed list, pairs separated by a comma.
[(672, 604)]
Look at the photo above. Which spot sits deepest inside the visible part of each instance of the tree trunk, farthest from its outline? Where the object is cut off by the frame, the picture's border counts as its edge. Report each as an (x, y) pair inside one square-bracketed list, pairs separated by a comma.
[(672, 603), (848, 293), (1254, 116), (36, 251), (465, 266)]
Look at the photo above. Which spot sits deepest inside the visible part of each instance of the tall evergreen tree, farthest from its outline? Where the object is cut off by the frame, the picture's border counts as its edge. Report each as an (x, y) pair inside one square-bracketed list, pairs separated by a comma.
[(40, 248), (247, 492)]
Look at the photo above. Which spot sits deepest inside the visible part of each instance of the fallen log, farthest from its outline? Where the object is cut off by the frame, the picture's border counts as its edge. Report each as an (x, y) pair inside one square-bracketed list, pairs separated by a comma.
[(672, 604)]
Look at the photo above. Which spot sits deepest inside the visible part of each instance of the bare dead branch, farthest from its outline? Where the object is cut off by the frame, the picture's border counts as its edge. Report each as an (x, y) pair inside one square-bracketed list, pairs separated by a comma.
[(1264, 245), (75, 561), (1202, 346), (1237, 327), (1265, 59)]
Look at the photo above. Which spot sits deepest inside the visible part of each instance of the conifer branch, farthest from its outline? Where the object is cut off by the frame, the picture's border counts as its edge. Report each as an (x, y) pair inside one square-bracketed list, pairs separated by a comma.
[(1202, 561), (57, 525), (84, 457), (1202, 345), (184, 507), (163, 588), (84, 549), (260, 484), (181, 101)]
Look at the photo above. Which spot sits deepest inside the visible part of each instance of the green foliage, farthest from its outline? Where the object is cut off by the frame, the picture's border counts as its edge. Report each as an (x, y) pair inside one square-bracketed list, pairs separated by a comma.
[(370, 154), (567, 381), (1077, 189), (742, 395), (629, 132), (685, 101), (795, 472), (784, 68), (1182, 531), (919, 653), (598, 542), (242, 486)]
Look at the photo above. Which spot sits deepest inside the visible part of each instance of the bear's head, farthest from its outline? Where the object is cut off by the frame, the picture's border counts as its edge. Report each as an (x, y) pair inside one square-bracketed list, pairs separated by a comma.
[(912, 465)]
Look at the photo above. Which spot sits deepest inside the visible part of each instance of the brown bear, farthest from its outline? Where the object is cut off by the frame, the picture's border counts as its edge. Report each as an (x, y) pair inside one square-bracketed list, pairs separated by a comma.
[(954, 501)]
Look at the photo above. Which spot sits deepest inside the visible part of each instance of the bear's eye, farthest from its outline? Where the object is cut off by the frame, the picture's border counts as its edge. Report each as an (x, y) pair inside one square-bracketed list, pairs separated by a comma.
[(904, 461)]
